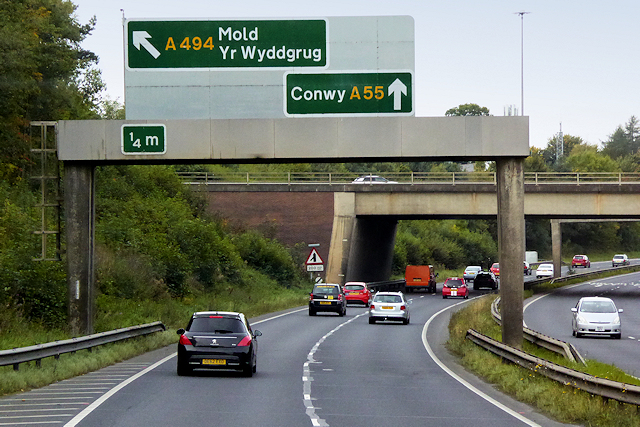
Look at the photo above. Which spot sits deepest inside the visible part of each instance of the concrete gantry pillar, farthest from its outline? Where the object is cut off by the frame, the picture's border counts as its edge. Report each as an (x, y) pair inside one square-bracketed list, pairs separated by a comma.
[(511, 234), (79, 207), (344, 217), (556, 247)]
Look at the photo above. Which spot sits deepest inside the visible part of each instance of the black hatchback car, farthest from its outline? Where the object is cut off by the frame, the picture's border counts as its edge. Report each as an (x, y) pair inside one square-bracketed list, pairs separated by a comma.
[(218, 340), (327, 297), (485, 279)]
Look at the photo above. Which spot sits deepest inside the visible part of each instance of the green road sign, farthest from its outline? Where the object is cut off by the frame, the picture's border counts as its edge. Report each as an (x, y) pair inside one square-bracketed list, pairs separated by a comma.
[(225, 44), (374, 93), (144, 139)]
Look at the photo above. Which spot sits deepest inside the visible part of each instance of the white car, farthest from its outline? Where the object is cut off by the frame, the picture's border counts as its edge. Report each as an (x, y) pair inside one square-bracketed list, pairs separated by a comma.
[(544, 270), (471, 272), (372, 179), (596, 316), (389, 306), (620, 259)]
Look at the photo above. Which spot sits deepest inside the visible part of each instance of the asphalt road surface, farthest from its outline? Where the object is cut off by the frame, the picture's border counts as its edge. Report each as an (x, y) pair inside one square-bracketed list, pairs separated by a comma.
[(551, 315), (312, 371)]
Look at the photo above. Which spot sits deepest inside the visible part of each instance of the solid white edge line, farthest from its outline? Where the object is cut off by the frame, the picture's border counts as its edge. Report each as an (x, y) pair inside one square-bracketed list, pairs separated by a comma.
[(75, 420), (460, 379)]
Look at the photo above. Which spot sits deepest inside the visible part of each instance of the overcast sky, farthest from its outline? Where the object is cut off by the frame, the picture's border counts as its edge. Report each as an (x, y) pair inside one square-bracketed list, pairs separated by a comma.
[(581, 58)]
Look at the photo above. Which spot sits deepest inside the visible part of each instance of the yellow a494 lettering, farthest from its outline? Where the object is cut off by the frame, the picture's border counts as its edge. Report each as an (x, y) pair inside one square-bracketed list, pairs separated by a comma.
[(188, 43)]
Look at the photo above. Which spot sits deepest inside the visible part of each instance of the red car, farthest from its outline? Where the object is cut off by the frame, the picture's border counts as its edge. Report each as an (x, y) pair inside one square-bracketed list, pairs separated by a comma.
[(580, 261), (495, 269), (455, 287), (357, 292)]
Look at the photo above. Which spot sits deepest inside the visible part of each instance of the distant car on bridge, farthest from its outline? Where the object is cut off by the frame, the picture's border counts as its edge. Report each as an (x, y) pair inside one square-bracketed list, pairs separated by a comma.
[(372, 179)]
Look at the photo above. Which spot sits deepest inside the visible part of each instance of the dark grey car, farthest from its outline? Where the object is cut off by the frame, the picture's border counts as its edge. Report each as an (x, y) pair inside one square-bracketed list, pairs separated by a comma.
[(327, 297)]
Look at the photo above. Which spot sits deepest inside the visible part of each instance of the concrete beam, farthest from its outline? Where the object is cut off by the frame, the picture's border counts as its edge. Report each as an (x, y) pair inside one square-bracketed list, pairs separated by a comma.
[(556, 247)]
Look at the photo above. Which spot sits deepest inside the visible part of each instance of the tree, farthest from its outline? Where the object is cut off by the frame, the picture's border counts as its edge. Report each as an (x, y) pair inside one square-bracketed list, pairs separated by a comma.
[(624, 141), (468, 110), (586, 158), (44, 73)]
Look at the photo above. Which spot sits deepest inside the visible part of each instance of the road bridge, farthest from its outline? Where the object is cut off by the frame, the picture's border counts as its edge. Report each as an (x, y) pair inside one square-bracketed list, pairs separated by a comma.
[(355, 223)]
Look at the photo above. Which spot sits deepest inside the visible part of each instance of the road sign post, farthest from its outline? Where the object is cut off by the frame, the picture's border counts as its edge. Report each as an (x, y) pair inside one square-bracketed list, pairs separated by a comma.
[(357, 93)]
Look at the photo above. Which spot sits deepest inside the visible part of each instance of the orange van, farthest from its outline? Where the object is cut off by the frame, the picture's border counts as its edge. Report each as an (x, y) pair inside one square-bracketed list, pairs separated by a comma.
[(420, 277)]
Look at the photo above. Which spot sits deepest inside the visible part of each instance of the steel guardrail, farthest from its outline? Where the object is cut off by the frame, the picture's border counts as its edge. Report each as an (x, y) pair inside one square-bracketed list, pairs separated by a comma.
[(40, 351), (407, 178), (622, 392), (553, 344)]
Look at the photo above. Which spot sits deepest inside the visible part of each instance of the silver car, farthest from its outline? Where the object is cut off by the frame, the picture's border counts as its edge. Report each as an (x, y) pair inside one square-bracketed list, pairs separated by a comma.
[(470, 272), (389, 306), (596, 316)]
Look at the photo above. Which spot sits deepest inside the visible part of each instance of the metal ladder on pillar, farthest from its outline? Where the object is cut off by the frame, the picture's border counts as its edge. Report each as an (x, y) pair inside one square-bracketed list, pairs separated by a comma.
[(45, 177)]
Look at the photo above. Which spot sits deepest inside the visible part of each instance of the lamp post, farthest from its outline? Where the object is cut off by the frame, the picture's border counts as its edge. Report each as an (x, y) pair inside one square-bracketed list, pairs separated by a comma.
[(521, 13)]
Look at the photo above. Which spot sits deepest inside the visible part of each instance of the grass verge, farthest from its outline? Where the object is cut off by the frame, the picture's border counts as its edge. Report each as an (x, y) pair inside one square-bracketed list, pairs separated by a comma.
[(563, 403)]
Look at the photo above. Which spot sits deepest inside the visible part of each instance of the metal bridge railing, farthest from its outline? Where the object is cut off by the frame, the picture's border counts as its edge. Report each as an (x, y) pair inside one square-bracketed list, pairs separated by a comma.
[(407, 178)]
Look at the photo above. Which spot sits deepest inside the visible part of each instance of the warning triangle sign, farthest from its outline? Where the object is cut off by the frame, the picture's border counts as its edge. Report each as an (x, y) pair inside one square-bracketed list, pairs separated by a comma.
[(314, 258)]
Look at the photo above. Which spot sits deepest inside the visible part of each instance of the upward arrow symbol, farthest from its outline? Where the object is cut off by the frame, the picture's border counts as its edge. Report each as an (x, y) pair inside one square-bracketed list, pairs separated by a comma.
[(140, 40), (397, 88)]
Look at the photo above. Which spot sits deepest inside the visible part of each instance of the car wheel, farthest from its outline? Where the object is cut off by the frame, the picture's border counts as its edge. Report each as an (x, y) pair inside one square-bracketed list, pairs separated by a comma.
[(573, 333), (342, 312), (312, 312), (444, 297), (248, 371), (183, 369), (404, 321), (466, 296), (618, 336), (372, 320), (578, 334)]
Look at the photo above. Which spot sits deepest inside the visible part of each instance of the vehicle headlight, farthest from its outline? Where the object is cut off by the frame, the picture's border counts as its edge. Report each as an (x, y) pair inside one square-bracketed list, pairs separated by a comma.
[(581, 319), (616, 320)]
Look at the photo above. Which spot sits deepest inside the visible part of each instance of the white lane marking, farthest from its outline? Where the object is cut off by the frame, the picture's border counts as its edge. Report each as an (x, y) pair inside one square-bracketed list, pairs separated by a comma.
[(307, 379), (75, 420), (540, 297), (462, 381), (279, 315)]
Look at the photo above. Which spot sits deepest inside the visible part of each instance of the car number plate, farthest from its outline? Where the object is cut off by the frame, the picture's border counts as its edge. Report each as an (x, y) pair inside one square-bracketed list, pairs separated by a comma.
[(386, 307), (325, 302), (599, 328), (214, 361)]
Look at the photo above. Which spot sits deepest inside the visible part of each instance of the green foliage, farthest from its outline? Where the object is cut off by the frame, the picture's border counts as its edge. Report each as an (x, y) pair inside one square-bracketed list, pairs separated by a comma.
[(268, 257), (468, 110), (44, 74), (624, 141), (37, 289), (447, 244)]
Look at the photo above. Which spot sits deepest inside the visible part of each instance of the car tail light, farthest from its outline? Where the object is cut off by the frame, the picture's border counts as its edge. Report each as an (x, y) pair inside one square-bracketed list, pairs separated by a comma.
[(184, 340), (403, 307), (372, 307), (244, 342), (215, 317), (339, 297), (310, 297)]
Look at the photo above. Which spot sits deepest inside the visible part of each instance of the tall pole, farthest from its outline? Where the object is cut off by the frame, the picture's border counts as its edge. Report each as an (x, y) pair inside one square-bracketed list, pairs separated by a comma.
[(522, 13)]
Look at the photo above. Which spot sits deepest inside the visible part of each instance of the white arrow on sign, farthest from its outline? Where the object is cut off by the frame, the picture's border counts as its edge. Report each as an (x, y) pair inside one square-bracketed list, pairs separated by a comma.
[(140, 40), (397, 88)]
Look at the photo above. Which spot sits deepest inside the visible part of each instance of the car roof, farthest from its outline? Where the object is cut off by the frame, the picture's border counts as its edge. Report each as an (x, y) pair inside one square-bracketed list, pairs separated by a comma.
[(389, 293), (355, 283), (619, 255), (545, 265), (326, 284), (217, 313), (595, 299), (473, 266)]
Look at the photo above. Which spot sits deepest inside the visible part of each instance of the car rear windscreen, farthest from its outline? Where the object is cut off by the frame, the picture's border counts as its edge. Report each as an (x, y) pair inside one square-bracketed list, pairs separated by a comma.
[(216, 325), (354, 287)]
